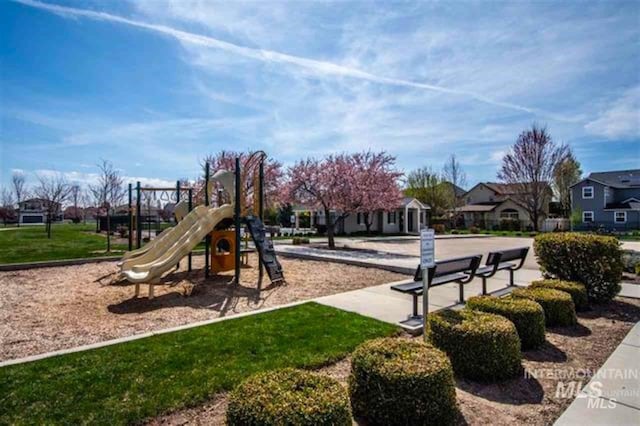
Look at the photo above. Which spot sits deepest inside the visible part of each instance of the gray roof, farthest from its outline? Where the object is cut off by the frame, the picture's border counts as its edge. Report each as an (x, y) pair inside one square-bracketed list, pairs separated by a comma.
[(617, 179)]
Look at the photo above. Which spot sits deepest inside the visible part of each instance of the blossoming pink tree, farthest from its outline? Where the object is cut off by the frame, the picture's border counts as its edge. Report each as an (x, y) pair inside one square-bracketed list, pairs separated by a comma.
[(340, 185), (273, 174), (376, 185)]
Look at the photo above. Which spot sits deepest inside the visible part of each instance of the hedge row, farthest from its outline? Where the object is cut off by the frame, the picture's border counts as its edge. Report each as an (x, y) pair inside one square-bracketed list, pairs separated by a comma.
[(526, 315), (401, 382), (593, 260), (558, 306), (481, 346), (577, 291), (289, 397)]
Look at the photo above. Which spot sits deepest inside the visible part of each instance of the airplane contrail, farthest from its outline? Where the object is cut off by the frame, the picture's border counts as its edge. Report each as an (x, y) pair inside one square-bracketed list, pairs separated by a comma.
[(318, 67)]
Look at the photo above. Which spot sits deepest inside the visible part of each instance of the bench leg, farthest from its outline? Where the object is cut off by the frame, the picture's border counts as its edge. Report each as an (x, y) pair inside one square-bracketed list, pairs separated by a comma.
[(415, 305), (511, 283), (461, 289), (484, 286)]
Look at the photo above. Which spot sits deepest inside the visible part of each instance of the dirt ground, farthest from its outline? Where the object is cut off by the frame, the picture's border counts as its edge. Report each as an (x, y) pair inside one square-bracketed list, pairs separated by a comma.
[(530, 399), (48, 309)]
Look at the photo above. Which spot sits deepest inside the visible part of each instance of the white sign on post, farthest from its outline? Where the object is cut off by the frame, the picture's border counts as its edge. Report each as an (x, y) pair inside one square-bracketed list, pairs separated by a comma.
[(427, 247), (427, 260)]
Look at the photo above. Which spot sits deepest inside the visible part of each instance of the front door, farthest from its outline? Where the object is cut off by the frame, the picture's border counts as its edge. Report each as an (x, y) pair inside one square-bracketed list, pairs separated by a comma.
[(410, 220)]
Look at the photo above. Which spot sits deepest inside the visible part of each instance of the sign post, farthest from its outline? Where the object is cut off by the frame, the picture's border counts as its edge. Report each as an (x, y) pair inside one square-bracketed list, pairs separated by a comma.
[(427, 260)]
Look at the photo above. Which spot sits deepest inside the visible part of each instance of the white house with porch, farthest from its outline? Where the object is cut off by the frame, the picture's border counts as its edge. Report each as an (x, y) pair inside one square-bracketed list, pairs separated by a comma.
[(408, 218)]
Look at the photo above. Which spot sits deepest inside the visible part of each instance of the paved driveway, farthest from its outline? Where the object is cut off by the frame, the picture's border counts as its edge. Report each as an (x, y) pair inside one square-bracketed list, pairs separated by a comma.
[(450, 247)]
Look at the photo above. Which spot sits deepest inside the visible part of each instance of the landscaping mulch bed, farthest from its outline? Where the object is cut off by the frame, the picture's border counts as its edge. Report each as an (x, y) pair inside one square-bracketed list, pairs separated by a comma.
[(526, 400), (49, 309)]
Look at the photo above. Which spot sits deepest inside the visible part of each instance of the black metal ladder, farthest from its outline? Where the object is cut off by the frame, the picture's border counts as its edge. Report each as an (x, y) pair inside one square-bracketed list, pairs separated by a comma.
[(265, 248)]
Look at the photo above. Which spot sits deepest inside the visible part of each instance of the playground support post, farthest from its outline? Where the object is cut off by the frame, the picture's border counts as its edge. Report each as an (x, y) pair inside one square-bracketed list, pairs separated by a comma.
[(260, 200), (207, 241), (190, 208), (138, 221), (177, 201), (130, 210), (238, 224)]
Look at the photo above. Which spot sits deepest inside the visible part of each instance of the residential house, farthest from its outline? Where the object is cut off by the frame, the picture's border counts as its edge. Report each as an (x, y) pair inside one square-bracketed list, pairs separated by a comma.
[(490, 205), (35, 211), (609, 200), (408, 218)]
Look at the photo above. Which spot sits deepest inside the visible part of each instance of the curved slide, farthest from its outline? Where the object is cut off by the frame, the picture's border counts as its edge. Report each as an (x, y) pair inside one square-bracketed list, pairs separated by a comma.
[(162, 254)]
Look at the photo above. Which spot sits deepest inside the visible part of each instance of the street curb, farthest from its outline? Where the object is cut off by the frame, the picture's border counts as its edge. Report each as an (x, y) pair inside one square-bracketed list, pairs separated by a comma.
[(125, 339), (351, 262)]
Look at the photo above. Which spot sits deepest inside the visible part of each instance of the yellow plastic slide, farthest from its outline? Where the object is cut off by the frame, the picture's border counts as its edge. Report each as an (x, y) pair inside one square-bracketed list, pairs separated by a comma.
[(163, 253)]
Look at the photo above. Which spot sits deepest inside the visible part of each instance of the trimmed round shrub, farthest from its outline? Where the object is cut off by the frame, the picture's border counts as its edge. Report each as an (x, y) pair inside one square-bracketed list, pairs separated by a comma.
[(558, 306), (401, 382), (481, 346), (526, 315), (576, 290), (593, 260), (289, 397)]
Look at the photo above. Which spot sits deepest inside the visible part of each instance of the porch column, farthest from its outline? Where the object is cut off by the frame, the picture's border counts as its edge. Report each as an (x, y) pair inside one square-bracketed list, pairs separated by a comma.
[(406, 220), (311, 215), (297, 215), (419, 218)]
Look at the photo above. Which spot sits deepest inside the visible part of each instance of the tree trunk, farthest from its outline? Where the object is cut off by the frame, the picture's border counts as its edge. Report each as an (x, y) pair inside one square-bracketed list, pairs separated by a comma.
[(367, 223), (49, 226), (108, 232), (330, 229)]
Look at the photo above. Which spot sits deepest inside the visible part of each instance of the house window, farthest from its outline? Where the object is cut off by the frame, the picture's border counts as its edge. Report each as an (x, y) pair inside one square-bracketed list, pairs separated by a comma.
[(509, 214), (391, 218), (359, 218), (587, 217), (587, 192), (620, 217)]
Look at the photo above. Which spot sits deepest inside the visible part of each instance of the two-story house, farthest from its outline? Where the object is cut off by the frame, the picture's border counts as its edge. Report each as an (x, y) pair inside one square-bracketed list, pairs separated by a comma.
[(609, 200), (35, 211), (488, 205)]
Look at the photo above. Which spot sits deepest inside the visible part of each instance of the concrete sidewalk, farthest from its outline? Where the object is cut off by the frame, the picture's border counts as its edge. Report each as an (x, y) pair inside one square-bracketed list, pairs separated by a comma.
[(382, 303), (612, 397)]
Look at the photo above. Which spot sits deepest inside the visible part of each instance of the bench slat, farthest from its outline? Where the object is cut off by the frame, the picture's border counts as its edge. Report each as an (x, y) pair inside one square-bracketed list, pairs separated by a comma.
[(489, 268), (416, 287)]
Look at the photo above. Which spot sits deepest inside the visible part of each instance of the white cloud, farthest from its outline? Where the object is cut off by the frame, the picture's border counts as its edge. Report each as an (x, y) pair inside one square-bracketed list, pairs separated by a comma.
[(621, 119), (85, 179), (315, 67)]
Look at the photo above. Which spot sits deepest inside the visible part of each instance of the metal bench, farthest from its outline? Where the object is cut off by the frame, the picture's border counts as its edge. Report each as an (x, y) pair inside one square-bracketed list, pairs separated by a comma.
[(500, 261), (460, 270)]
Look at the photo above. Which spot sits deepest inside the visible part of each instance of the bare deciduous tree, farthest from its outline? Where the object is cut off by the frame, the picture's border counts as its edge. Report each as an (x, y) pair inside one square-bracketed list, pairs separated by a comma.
[(530, 166), (53, 190), (7, 206), (454, 178), (19, 187), (108, 192), (75, 192)]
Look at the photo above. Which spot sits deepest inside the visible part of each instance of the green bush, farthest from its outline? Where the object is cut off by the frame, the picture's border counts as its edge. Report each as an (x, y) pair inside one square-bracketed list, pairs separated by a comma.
[(439, 228), (576, 290), (481, 346), (296, 241), (593, 260), (474, 230), (558, 306), (526, 315), (289, 397), (401, 382)]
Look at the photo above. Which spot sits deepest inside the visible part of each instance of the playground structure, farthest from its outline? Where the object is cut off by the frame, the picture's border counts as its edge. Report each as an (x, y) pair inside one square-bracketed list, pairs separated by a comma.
[(220, 222)]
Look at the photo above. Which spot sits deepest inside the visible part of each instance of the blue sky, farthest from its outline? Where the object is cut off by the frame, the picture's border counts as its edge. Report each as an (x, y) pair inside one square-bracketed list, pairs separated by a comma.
[(155, 85)]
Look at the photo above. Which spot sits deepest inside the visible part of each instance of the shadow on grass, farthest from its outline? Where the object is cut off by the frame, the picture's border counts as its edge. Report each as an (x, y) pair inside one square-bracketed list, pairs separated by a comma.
[(548, 352), (523, 390)]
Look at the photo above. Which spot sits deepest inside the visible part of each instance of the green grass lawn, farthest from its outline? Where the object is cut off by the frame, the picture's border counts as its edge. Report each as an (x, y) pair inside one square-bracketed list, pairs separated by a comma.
[(135, 380), (68, 241)]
